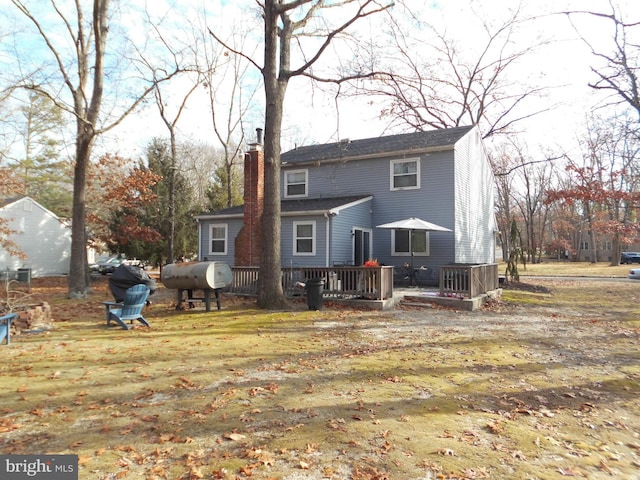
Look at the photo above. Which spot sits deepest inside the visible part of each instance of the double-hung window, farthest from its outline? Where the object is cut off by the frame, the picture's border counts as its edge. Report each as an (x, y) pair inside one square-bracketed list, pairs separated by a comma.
[(304, 238), (405, 174), (218, 239), (405, 242), (295, 182)]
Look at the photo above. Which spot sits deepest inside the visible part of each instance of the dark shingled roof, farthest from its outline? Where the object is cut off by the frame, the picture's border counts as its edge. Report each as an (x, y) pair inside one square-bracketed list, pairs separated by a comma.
[(318, 204), (299, 205), (408, 142), (6, 201)]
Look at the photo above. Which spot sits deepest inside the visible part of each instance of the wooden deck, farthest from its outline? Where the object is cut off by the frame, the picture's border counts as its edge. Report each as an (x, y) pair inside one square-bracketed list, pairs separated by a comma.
[(370, 283)]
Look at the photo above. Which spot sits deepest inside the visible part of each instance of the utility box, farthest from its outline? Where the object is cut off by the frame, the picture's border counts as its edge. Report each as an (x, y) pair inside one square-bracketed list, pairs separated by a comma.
[(24, 275)]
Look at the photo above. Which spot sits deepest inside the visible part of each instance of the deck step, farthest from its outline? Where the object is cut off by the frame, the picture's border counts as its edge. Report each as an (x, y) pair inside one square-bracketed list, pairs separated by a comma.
[(414, 303)]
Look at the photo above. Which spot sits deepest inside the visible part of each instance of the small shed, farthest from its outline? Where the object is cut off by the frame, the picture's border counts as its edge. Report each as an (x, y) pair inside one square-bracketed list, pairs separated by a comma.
[(40, 234)]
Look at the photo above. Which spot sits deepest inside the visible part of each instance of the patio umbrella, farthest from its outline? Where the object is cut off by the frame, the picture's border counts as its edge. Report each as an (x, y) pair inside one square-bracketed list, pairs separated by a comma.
[(412, 224)]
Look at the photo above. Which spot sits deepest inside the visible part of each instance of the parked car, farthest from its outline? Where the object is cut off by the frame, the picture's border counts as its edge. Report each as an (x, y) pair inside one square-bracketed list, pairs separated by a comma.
[(634, 273), (109, 265), (630, 257), (95, 266)]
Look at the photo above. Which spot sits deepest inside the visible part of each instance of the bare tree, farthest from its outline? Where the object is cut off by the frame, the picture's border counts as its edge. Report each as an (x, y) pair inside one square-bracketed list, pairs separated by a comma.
[(521, 184), (301, 26), (536, 180), (79, 64), (230, 100), (502, 161), (438, 83), (604, 185), (200, 162), (183, 60), (171, 124), (620, 65)]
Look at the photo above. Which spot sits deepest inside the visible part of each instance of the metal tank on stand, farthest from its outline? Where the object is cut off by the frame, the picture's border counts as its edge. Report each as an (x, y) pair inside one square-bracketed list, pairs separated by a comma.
[(192, 276)]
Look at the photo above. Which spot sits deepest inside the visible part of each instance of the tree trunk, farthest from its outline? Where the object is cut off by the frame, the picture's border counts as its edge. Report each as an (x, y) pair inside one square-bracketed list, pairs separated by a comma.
[(86, 119), (616, 250), (270, 292), (79, 279), (172, 199)]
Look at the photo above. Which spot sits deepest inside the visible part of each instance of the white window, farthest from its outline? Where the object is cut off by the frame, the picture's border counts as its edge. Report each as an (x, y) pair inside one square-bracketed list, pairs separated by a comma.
[(405, 174), (218, 239), (403, 243), (295, 182), (584, 245), (304, 238)]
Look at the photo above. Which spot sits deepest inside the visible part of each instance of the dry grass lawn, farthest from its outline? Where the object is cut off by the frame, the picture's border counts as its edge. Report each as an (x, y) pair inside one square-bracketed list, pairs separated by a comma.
[(573, 269), (543, 384)]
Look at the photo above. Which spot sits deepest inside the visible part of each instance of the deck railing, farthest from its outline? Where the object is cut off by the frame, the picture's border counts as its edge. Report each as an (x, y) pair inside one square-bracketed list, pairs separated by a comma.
[(373, 283), (468, 280)]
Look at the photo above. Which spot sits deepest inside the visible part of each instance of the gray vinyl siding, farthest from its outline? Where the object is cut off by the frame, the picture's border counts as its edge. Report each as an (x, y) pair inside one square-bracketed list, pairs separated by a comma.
[(348, 178), (456, 193), (40, 235), (319, 258), (342, 225), (433, 202), (233, 228), (474, 200)]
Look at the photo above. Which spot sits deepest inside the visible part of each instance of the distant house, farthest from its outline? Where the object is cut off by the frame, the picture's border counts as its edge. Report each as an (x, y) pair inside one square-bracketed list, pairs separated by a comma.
[(334, 196), (40, 234)]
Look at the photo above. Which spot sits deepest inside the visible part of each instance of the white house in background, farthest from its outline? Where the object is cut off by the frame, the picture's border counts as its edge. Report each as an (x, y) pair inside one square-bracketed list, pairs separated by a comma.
[(40, 234)]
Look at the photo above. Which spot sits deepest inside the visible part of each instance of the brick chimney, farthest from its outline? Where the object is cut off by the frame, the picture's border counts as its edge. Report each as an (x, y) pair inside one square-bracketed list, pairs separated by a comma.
[(248, 244)]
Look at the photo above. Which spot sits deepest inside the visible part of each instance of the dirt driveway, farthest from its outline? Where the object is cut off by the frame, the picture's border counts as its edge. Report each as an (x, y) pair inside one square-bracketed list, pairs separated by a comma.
[(542, 386)]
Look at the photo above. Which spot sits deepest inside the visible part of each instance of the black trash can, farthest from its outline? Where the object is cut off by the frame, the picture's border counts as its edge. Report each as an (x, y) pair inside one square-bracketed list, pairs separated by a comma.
[(314, 293)]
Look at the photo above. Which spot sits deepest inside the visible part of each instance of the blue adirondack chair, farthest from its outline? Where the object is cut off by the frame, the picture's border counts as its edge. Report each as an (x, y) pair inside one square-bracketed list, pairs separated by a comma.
[(5, 326), (131, 309)]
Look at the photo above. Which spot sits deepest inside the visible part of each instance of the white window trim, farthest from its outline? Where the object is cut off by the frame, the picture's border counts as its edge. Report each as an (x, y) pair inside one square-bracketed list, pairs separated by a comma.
[(313, 238), (391, 175), (408, 254), (306, 183), (226, 238)]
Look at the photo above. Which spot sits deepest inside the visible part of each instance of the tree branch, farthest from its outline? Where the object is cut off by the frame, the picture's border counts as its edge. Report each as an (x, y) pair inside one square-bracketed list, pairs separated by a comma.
[(234, 51)]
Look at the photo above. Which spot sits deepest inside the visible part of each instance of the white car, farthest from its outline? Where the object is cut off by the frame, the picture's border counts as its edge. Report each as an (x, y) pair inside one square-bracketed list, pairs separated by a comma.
[(634, 273)]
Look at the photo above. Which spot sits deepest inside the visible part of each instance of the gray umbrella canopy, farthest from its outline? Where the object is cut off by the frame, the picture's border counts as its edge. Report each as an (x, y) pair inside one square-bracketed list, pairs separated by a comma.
[(414, 223)]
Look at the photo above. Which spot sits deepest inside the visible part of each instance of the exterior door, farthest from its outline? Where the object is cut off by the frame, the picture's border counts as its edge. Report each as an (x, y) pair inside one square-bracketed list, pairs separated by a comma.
[(361, 246)]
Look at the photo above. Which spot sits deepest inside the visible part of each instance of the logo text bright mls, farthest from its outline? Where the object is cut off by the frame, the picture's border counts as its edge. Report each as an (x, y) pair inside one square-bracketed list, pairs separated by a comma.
[(39, 467), (30, 468)]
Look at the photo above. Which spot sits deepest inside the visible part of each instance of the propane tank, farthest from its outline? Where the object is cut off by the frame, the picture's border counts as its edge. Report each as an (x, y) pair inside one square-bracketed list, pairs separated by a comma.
[(196, 275)]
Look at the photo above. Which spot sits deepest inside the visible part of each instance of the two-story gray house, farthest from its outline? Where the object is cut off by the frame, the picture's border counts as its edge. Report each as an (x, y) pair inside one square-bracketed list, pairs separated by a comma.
[(335, 195)]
